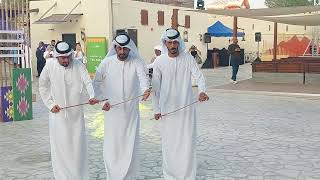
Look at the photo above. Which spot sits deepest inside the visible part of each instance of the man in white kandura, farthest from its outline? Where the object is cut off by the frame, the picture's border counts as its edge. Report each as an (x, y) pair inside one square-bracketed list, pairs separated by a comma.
[(61, 84), (171, 82), (119, 77)]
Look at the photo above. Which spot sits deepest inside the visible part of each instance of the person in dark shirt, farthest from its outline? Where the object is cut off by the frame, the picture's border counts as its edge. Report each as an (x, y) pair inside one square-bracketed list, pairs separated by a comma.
[(195, 53), (235, 58), (41, 61)]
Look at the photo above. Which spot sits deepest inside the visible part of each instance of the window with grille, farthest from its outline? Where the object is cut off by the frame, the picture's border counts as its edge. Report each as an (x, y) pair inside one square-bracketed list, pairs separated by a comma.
[(187, 21), (144, 17), (160, 18)]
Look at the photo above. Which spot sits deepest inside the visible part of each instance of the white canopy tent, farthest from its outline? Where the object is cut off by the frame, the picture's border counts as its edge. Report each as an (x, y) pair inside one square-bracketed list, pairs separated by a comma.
[(264, 12), (302, 20), (300, 15)]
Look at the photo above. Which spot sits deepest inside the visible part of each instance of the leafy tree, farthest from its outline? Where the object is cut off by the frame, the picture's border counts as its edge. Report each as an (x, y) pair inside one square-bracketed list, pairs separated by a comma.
[(287, 3)]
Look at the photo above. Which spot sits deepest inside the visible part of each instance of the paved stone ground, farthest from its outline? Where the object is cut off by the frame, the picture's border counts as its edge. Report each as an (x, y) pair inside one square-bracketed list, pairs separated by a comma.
[(251, 85), (241, 136)]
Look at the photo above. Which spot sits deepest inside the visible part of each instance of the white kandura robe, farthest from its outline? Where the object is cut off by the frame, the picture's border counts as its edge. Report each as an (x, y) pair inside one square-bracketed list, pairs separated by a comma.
[(172, 83), (118, 81), (63, 86)]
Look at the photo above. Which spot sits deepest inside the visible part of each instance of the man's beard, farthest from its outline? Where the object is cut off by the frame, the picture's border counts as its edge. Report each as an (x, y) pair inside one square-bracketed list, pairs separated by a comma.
[(122, 57), (65, 65), (174, 51)]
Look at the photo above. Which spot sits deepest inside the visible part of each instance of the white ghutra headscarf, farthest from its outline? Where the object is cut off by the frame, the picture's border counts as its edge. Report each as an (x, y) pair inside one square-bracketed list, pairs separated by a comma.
[(172, 35), (62, 49), (123, 40)]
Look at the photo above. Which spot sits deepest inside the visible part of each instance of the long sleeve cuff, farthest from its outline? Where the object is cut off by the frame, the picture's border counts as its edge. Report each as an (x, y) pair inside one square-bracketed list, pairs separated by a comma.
[(50, 105)]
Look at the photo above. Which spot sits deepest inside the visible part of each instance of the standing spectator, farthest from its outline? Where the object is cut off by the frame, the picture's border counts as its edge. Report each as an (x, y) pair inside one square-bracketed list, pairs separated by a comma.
[(196, 54), (53, 43), (79, 54), (49, 52), (235, 58), (41, 62)]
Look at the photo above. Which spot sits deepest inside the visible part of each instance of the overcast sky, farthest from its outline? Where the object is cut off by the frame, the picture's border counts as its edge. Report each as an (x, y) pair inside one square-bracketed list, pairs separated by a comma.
[(255, 4)]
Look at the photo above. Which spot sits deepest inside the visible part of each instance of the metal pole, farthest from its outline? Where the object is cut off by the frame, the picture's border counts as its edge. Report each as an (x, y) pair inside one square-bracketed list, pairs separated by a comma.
[(315, 38), (1, 36), (18, 15), (258, 52), (55, 4), (15, 21), (15, 16), (6, 14), (235, 28), (28, 22), (22, 28), (10, 17), (22, 11), (28, 39), (2, 15), (65, 17), (11, 36), (275, 41), (6, 37), (207, 49), (19, 25)]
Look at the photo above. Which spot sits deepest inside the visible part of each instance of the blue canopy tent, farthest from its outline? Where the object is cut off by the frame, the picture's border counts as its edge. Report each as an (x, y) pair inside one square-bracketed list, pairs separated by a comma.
[(220, 30)]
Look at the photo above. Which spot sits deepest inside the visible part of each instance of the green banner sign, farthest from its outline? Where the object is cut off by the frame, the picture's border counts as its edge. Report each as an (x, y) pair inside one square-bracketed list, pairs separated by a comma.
[(96, 51), (22, 94)]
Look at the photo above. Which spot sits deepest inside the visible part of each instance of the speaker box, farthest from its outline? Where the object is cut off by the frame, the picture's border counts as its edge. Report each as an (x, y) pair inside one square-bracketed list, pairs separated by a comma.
[(207, 38), (257, 37), (200, 4)]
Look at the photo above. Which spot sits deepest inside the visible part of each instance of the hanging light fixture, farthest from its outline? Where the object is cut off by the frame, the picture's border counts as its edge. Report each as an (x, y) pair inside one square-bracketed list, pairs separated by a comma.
[(243, 37)]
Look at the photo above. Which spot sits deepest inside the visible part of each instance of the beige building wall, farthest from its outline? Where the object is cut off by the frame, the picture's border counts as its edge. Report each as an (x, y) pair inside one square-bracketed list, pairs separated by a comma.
[(95, 21), (149, 35), (98, 18)]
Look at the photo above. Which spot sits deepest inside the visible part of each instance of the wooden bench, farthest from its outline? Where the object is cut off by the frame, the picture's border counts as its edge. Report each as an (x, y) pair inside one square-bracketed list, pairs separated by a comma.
[(301, 70), (289, 65)]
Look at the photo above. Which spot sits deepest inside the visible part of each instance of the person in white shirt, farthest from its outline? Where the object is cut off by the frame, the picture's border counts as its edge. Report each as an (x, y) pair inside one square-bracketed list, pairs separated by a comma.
[(62, 83), (79, 54), (120, 76), (48, 54), (172, 72)]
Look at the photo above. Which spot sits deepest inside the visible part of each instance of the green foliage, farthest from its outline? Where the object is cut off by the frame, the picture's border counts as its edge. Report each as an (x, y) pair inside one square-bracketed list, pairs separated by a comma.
[(287, 3)]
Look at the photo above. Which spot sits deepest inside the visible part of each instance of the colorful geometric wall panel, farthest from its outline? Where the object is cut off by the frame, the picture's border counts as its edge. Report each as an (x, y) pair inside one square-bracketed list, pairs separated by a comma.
[(22, 94), (6, 100)]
